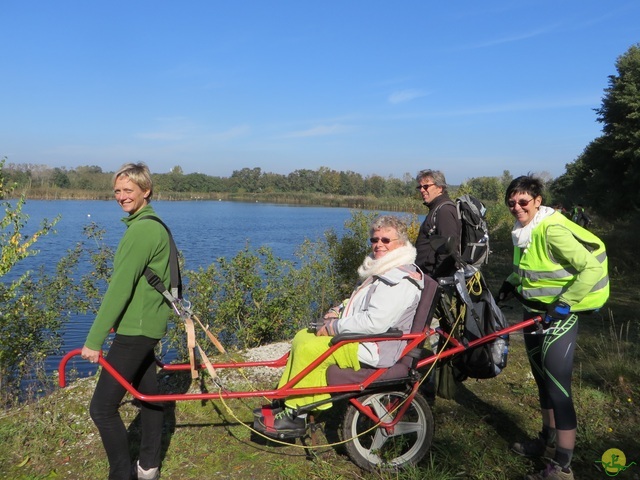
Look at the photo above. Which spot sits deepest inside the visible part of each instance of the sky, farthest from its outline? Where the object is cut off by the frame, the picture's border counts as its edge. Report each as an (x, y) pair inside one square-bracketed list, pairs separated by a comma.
[(468, 87)]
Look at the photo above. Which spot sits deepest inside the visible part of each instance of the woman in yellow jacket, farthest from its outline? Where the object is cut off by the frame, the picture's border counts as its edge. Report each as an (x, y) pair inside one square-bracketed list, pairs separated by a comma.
[(559, 269)]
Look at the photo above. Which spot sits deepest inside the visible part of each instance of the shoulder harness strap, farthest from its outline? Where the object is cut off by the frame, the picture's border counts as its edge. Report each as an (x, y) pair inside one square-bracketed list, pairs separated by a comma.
[(174, 268), (435, 214)]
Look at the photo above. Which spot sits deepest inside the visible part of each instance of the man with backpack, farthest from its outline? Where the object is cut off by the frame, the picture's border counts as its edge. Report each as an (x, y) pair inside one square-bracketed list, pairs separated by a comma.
[(438, 237), (441, 230)]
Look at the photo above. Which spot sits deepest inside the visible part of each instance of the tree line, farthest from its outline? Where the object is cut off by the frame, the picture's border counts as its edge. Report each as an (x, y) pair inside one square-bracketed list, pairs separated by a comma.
[(246, 180)]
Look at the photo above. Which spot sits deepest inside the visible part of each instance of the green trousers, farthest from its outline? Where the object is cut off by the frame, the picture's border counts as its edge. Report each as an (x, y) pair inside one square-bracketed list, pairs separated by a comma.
[(305, 348)]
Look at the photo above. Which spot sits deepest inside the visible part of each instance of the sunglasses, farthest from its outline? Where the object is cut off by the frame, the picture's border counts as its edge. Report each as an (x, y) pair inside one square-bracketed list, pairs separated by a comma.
[(384, 240), (425, 186), (523, 203)]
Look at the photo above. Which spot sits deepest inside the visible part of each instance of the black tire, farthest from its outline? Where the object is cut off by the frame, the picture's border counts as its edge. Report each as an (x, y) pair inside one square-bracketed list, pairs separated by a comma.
[(375, 448)]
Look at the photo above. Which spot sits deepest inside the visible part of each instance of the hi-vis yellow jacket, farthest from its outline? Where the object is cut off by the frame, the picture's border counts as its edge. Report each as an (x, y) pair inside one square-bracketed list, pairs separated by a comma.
[(563, 262)]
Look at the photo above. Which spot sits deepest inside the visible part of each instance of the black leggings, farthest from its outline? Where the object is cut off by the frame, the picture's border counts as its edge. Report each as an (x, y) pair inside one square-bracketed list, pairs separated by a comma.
[(551, 358), (133, 357)]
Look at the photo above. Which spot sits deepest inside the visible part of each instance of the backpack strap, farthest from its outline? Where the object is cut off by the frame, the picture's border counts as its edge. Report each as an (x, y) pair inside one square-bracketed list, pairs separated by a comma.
[(435, 214), (175, 292)]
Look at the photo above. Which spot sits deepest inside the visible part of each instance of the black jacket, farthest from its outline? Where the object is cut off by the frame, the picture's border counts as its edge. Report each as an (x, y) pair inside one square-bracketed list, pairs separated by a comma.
[(431, 244)]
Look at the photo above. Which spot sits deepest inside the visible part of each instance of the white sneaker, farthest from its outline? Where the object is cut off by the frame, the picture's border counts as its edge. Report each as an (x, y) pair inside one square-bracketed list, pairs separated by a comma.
[(149, 474)]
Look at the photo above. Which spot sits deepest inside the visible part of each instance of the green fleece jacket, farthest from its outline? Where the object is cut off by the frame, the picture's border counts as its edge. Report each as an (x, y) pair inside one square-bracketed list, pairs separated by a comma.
[(131, 306)]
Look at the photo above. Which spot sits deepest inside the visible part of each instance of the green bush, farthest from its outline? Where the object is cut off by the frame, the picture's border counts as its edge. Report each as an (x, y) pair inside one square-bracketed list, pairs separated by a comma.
[(30, 312)]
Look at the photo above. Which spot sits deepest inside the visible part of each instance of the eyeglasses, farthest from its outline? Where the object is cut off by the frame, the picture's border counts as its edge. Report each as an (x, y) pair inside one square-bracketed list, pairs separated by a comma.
[(522, 202), (425, 187), (384, 240)]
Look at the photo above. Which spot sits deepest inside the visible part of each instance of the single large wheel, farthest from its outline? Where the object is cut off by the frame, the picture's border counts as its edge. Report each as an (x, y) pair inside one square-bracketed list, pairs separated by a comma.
[(372, 447)]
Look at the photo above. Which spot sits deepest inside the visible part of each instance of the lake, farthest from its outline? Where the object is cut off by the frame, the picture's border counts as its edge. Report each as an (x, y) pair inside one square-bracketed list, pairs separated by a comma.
[(203, 231)]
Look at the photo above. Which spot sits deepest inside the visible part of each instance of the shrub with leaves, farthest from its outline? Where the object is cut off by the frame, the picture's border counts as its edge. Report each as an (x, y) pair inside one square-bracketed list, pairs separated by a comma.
[(256, 298), (28, 319)]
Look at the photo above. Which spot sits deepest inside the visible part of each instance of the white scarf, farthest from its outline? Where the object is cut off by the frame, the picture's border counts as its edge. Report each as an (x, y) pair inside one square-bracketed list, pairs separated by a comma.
[(403, 255), (521, 235)]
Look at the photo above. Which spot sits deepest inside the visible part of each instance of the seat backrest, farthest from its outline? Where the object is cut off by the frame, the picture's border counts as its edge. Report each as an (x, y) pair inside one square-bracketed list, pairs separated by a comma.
[(426, 305), (422, 319)]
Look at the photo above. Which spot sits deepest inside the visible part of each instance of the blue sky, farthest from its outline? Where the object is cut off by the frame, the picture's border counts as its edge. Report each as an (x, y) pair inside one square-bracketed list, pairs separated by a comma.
[(469, 87)]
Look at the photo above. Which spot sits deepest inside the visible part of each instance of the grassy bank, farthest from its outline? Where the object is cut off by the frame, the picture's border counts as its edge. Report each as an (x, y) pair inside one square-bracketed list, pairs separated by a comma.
[(55, 438)]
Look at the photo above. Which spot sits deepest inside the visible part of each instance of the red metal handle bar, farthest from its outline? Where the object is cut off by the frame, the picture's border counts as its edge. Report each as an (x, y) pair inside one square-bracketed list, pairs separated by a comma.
[(459, 347), (283, 392), (288, 389)]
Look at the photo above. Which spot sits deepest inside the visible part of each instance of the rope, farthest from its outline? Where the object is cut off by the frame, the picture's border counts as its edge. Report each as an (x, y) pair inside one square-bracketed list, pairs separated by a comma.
[(341, 442), (473, 283)]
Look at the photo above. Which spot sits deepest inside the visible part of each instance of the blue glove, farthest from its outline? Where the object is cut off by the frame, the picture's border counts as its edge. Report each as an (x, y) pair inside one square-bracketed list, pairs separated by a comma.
[(557, 311)]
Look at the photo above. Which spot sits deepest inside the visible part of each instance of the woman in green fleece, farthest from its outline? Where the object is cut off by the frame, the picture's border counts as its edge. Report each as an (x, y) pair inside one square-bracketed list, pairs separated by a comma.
[(139, 316)]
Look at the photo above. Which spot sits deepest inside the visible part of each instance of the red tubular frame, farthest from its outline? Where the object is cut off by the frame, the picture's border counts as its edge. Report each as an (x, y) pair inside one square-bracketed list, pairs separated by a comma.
[(413, 340)]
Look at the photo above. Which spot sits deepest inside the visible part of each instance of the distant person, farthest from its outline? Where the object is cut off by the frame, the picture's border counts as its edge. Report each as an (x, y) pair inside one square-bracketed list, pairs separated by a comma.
[(580, 217), (441, 228), (139, 315), (554, 274)]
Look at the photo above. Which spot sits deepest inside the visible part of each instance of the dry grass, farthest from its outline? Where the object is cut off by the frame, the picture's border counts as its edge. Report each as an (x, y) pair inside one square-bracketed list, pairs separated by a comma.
[(55, 438)]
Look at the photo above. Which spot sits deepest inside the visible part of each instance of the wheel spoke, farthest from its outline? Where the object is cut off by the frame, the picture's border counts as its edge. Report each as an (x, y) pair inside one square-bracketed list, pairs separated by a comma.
[(379, 440), (380, 409), (403, 428), (373, 446)]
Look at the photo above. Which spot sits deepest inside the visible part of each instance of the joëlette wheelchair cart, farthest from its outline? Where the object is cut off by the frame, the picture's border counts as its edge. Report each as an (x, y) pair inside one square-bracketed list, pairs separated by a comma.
[(387, 421)]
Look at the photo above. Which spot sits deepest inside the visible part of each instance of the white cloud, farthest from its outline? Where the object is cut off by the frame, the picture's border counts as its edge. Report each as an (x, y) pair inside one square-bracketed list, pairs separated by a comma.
[(526, 105), (402, 96), (231, 133), (161, 136), (320, 131), (513, 38)]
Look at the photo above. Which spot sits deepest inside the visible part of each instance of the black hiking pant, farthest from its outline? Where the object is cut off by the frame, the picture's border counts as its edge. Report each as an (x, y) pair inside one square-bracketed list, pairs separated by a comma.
[(133, 357)]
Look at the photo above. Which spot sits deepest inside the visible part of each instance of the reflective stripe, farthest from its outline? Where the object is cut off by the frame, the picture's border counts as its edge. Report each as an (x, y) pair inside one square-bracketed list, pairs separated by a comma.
[(537, 275), (543, 279), (557, 291)]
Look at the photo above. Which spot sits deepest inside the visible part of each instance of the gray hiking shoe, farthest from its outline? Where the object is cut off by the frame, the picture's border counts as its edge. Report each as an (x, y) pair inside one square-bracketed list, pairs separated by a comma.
[(552, 472), (534, 447)]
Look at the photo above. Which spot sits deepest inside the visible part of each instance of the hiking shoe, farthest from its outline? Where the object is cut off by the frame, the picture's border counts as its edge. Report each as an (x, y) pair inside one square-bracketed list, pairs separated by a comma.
[(140, 473), (283, 424), (274, 407), (552, 472), (534, 447)]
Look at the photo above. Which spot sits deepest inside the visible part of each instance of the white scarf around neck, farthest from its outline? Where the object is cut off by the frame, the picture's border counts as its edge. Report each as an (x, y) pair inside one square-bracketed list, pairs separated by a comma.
[(403, 255), (521, 235)]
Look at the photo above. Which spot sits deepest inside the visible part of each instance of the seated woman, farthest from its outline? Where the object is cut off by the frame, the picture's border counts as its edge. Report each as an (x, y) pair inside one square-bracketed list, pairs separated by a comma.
[(386, 297)]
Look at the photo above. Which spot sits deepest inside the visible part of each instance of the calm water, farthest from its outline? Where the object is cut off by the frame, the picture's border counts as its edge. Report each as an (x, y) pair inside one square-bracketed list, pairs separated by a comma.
[(203, 231)]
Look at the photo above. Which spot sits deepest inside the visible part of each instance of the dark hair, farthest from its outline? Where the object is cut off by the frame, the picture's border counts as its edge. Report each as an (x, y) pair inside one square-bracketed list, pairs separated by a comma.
[(524, 184)]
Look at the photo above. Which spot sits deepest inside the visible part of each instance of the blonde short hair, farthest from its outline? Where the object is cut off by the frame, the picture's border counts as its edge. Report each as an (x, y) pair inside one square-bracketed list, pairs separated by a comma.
[(139, 174)]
